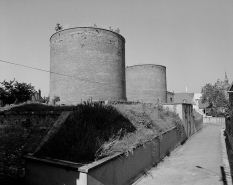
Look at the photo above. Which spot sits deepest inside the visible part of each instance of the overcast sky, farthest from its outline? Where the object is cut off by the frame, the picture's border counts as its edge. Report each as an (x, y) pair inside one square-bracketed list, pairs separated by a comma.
[(192, 38)]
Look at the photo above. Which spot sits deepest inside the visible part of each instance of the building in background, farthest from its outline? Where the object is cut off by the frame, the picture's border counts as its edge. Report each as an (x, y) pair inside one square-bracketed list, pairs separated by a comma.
[(170, 97), (193, 98), (184, 98)]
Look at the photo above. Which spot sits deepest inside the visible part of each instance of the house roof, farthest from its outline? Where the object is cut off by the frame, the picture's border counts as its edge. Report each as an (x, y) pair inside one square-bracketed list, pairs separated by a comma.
[(184, 97), (168, 92)]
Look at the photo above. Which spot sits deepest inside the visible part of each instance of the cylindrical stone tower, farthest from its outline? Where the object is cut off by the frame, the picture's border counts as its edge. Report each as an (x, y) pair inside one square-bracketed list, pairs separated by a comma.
[(87, 63), (146, 83)]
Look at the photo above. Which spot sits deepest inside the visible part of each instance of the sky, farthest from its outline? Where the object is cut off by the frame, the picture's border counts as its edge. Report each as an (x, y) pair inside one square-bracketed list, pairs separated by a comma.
[(192, 38)]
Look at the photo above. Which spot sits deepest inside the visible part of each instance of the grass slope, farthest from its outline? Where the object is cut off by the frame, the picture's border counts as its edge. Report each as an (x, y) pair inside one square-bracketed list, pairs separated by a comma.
[(94, 131), (149, 120)]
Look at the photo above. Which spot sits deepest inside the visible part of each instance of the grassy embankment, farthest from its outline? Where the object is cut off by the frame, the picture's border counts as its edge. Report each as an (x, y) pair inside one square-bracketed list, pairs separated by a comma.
[(16, 140), (92, 131)]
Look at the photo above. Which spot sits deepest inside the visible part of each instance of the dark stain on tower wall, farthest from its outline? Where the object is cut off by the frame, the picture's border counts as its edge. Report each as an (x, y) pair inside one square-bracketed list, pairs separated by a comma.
[(146, 83), (93, 60)]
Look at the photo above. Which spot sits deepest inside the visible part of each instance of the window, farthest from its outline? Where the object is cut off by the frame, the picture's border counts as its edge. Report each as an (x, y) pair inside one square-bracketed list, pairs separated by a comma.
[(170, 99)]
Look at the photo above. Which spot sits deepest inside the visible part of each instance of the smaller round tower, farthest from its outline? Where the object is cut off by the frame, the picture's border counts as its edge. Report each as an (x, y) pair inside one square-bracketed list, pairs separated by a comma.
[(146, 83)]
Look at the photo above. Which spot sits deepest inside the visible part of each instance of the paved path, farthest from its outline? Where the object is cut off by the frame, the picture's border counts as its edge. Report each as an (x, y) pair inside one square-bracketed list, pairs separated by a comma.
[(197, 162)]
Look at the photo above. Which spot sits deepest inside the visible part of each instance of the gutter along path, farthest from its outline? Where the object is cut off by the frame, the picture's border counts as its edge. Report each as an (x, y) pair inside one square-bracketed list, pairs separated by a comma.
[(198, 162)]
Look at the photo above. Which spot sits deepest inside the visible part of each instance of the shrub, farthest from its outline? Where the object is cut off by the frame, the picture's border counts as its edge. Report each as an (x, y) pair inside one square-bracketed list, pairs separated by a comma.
[(55, 100), (150, 121), (94, 131), (85, 131)]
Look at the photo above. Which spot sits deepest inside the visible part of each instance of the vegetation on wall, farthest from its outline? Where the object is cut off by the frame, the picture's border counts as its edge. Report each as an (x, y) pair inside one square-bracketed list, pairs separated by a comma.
[(87, 128), (151, 121), (55, 100), (58, 27)]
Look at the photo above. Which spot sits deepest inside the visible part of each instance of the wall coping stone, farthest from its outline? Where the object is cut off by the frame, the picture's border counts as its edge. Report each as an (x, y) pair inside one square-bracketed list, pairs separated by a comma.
[(31, 113)]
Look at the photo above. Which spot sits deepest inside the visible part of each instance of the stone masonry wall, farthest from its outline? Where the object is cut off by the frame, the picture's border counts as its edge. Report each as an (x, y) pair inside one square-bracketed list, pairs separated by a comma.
[(146, 83), (93, 59), (28, 119)]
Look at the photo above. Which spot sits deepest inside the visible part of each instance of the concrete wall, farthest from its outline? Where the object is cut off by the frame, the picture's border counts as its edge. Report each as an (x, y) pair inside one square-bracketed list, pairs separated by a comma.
[(229, 128), (114, 170), (42, 172), (146, 83), (231, 99), (192, 122), (126, 170), (187, 114), (213, 119), (199, 123), (93, 59)]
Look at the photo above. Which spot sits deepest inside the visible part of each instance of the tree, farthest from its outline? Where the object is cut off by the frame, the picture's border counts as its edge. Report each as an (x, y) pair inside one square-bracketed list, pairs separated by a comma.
[(216, 97), (15, 92), (6, 92)]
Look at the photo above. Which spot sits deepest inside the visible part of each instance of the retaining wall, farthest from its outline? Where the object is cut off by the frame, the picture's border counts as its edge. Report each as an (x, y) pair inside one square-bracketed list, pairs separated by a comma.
[(193, 121), (38, 118), (229, 129), (118, 169)]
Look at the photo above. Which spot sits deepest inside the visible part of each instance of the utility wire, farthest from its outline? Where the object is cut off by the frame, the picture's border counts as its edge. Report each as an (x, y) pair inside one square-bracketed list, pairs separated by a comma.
[(12, 63), (58, 73)]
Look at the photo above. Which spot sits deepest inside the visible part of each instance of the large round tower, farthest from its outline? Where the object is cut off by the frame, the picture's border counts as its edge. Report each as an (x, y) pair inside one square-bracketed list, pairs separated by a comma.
[(87, 63), (146, 83)]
